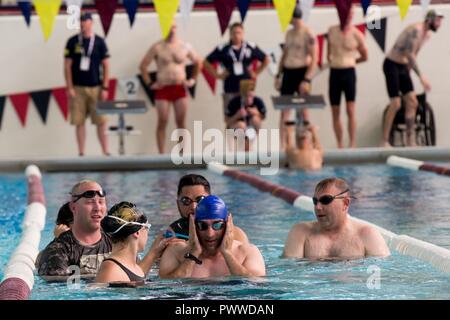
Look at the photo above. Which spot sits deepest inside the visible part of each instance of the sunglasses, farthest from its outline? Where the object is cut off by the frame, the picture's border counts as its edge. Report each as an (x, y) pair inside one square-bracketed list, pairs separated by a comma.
[(216, 226), (327, 199), (144, 225), (186, 201), (89, 194)]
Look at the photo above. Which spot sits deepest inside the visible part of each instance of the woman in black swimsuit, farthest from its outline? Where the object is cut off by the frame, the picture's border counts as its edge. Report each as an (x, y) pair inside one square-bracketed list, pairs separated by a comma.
[(128, 229)]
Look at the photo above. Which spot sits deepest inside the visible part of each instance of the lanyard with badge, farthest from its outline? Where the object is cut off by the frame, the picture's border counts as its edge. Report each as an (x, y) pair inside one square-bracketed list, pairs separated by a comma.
[(85, 61), (238, 66)]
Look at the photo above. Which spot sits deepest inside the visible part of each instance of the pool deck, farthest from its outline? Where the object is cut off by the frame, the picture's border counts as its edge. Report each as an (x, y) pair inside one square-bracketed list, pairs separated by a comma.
[(153, 162)]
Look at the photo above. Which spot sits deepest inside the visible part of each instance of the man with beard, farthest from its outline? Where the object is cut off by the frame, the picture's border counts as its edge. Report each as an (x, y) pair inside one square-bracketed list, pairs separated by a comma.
[(211, 250), (397, 65)]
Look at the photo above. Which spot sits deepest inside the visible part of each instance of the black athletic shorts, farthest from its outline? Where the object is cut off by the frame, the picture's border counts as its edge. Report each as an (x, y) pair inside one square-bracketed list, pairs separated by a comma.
[(397, 78), (291, 80), (342, 80)]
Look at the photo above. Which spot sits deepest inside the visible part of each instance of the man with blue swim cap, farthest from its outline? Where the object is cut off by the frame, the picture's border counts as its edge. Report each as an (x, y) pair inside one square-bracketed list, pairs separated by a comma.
[(211, 250)]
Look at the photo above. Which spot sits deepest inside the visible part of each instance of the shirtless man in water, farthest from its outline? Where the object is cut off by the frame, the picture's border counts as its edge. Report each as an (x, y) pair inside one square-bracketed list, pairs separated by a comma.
[(346, 48), (211, 250), (297, 65), (171, 56), (397, 65), (308, 152), (334, 234)]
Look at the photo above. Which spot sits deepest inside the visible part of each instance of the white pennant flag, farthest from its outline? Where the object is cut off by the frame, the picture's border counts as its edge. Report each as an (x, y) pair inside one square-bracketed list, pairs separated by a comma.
[(274, 55), (425, 4), (78, 3), (185, 9), (306, 6), (129, 87)]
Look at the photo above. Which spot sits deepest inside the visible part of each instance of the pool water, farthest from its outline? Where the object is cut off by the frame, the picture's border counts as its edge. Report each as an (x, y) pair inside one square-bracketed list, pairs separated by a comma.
[(405, 202)]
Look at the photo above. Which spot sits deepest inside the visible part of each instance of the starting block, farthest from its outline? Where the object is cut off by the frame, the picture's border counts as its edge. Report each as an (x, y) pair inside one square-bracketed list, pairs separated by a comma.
[(297, 103), (121, 108)]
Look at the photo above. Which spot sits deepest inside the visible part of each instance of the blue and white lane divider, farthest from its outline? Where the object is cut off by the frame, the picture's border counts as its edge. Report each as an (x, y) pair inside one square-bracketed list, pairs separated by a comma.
[(417, 165), (437, 256), (18, 279)]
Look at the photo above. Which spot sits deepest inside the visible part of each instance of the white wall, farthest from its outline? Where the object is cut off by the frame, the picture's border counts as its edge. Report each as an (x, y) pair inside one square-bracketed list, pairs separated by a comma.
[(29, 63)]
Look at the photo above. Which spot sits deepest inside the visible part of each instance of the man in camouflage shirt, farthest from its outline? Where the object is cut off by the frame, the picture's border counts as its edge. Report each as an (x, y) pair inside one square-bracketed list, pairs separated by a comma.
[(85, 245)]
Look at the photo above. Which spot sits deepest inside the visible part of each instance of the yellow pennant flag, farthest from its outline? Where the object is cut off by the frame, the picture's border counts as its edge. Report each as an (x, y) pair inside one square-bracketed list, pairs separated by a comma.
[(403, 6), (285, 10), (166, 10), (47, 11)]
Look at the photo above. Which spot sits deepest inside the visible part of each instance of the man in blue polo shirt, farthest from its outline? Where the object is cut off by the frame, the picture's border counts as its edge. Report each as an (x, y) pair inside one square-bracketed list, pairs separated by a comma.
[(236, 58), (86, 70)]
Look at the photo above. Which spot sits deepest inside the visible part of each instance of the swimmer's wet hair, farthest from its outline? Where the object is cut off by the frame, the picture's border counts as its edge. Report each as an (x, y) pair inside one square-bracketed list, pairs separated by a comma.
[(193, 180), (340, 184), (65, 215)]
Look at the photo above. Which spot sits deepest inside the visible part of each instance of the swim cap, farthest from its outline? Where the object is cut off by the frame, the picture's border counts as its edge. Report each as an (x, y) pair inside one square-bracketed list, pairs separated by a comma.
[(297, 12), (211, 207)]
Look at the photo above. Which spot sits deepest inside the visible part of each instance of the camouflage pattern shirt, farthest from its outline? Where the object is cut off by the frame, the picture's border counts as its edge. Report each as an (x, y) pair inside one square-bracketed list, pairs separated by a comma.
[(66, 251)]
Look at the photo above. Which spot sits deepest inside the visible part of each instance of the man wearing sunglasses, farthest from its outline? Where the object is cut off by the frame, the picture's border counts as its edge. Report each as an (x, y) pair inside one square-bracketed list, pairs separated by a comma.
[(85, 245), (335, 234), (211, 250), (192, 188)]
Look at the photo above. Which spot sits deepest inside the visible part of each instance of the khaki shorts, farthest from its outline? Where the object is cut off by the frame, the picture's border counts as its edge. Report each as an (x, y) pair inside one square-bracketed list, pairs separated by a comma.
[(84, 104)]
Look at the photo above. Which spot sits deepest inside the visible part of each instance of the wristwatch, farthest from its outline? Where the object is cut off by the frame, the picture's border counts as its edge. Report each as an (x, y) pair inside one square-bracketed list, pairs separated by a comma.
[(190, 256)]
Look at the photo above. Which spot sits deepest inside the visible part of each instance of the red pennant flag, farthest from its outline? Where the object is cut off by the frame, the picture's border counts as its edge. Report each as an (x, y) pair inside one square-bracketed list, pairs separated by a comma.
[(224, 9), (343, 7), (20, 104), (112, 89), (60, 95), (362, 28), (210, 78), (320, 39), (106, 9)]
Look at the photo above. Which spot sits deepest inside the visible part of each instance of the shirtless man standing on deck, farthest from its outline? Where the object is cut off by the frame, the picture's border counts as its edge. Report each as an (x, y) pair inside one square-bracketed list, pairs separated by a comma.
[(171, 56), (397, 65), (334, 234), (344, 47), (296, 69)]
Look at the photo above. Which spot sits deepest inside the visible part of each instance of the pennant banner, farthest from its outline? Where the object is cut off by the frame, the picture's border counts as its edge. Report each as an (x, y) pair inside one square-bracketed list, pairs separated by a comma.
[(131, 6), (403, 7), (112, 89), (365, 4), (150, 93), (20, 104), (41, 100), (129, 87), (185, 10), (243, 6), (77, 3), (424, 4), (285, 10), (362, 28), (306, 6), (25, 7), (224, 9), (378, 31), (60, 95), (343, 7), (189, 74), (166, 10), (106, 9), (2, 108), (210, 78), (274, 55), (47, 12)]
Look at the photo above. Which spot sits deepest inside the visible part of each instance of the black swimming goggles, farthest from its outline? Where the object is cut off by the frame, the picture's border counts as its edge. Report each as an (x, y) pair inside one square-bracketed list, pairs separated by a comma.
[(327, 199), (216, 225), (89, 194), (186, 201)]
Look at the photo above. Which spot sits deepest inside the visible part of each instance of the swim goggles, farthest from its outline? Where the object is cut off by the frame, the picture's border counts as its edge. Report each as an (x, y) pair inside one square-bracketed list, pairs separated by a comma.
[(186, 201), (327, 199), (144, 225), (89, 194), (216, 225)]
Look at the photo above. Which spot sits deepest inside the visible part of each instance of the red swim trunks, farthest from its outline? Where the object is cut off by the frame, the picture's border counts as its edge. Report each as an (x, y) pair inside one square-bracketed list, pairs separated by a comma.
[(171, 93)]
